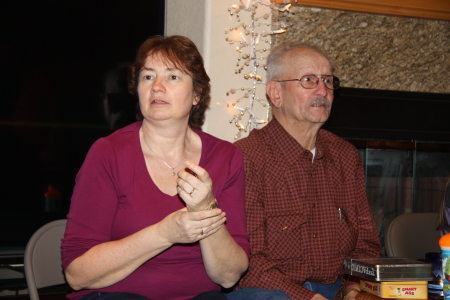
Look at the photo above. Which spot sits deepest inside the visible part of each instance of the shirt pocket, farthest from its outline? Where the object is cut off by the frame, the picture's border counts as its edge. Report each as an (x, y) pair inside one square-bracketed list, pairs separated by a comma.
[(284, 235)]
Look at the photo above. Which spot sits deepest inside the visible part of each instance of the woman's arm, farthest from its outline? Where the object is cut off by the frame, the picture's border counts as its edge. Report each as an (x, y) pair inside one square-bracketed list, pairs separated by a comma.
[(110, 262), (224, 259)]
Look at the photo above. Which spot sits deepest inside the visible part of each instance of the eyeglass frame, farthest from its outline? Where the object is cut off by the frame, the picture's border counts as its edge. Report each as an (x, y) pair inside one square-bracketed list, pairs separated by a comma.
[(317, 83)]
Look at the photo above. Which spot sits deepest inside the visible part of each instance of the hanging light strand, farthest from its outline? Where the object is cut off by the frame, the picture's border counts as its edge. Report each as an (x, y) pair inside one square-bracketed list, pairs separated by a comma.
[(252, 40)]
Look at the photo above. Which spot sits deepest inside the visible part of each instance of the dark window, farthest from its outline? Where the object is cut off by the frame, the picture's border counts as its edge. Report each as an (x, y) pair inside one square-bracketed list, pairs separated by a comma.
[(54, 56)]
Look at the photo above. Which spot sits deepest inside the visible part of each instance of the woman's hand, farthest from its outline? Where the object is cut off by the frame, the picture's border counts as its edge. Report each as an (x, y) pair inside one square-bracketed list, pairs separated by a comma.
[(184, 226), (224, 260), (195, 187)]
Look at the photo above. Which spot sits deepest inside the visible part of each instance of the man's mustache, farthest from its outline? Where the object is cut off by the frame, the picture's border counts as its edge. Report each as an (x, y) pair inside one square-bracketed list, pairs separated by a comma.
[(319, 102)]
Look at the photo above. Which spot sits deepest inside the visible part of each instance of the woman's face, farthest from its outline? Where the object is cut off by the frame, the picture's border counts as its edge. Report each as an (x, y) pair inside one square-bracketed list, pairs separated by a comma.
[(165, 92)]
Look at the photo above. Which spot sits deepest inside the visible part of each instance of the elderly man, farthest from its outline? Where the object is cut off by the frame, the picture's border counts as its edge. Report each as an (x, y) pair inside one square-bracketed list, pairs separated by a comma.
[(306, 203)]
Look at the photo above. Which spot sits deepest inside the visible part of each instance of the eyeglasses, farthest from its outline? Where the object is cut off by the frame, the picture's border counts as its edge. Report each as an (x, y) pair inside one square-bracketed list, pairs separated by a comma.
[(311, 81)]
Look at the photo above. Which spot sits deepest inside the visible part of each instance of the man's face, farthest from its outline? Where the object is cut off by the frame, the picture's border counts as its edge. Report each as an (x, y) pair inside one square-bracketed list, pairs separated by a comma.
[(302, 105)]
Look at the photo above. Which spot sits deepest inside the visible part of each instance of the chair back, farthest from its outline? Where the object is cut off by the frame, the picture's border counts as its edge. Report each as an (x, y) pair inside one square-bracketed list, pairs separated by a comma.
[(412, 235), (42, 259)]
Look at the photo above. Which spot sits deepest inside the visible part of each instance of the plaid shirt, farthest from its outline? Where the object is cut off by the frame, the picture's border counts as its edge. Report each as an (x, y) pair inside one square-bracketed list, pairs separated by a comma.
[(303, 218)]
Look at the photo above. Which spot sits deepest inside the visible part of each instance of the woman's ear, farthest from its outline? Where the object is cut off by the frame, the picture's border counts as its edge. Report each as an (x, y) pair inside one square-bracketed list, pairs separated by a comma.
[(196, 100), (273, 90)]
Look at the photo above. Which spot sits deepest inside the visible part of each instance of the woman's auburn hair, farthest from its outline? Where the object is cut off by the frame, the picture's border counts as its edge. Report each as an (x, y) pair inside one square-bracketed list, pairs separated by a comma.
[(182, 53)]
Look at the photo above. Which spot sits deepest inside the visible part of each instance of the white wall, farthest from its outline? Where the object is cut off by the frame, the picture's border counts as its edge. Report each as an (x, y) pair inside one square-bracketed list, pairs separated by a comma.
[(205, 23)]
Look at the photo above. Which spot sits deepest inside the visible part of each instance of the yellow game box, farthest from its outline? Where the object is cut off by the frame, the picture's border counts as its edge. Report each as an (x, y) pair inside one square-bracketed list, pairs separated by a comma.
[(396, 289)]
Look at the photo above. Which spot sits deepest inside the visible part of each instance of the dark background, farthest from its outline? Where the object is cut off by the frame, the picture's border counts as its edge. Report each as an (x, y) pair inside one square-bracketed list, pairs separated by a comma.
[(53, 58), (390, 115)]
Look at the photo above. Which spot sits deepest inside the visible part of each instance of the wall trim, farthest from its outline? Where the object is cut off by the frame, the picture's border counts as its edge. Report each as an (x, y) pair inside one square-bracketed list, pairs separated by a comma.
[(430, 9)]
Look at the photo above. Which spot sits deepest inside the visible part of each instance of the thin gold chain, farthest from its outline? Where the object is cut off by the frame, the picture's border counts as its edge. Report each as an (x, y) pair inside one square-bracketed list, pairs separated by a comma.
[(172, 168)]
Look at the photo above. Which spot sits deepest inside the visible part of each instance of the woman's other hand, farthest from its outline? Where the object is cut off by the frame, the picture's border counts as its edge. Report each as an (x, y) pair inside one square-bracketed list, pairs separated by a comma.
[(195, 187), (184, 226)]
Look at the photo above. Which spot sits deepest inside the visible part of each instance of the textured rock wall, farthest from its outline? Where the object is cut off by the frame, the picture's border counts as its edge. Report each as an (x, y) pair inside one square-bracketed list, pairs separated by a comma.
[(377, 51)]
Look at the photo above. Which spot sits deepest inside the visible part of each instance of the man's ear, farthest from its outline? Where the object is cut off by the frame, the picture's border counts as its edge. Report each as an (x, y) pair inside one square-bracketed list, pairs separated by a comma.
[(273, 90)]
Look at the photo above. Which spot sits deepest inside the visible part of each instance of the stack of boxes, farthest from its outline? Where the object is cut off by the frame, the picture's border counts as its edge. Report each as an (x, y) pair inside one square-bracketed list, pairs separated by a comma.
[(390, 277)]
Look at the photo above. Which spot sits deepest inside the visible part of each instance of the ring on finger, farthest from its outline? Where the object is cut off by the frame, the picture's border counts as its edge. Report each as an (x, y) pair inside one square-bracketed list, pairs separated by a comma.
[(202, 232), (193, 189)]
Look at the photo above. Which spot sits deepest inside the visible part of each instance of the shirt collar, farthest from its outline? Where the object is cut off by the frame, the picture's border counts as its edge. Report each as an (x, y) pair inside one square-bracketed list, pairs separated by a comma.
[(286, 145)]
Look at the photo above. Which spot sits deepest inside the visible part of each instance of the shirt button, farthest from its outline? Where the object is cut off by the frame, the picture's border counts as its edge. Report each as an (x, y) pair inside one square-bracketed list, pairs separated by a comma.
[(314, 205), (319, 267), (314, 235), (285, 228)]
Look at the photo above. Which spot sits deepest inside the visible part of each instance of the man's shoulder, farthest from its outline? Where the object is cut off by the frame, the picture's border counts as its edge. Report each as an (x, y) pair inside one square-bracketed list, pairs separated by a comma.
[(336, 148), (335, 142), (255, 141)]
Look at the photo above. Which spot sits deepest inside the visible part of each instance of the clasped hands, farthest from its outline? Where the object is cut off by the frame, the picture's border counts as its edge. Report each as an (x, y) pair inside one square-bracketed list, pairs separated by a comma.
[(196, 221)]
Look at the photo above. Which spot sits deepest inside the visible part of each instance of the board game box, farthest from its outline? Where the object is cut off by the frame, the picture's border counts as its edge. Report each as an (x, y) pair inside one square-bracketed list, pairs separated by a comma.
[(388, 269), (396, 289)]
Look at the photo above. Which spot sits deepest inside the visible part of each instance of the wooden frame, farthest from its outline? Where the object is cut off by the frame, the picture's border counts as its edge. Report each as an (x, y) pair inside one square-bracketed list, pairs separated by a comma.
[(429, 9)]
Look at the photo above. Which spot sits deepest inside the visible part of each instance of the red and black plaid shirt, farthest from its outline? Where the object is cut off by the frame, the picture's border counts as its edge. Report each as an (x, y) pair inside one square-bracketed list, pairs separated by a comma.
[(303, 217)]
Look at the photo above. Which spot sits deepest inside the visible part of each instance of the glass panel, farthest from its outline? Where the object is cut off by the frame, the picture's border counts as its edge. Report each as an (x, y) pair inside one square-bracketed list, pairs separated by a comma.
[(389, 184), (404, 179), (432, 173)]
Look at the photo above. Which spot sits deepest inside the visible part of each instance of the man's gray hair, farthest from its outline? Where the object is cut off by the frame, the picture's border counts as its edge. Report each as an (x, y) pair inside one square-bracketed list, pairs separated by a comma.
[(276, 63)]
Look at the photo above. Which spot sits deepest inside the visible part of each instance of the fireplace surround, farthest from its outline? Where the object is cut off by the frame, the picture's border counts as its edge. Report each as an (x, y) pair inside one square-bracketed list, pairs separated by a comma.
[(403, 139)]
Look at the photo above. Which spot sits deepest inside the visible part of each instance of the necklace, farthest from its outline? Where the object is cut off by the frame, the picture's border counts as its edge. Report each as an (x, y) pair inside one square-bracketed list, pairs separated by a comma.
[(172, 168)]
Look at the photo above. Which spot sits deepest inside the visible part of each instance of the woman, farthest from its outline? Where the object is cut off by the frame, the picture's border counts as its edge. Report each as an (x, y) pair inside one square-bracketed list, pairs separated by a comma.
[(143, 218)]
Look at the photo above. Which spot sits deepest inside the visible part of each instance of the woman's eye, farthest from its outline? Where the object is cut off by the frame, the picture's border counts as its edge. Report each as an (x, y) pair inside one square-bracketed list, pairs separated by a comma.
[(148, 77), (174, 77)]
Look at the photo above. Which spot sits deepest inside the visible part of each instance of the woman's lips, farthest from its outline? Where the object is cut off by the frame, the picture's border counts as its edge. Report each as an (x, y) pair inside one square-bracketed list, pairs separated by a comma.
[(158, 101)]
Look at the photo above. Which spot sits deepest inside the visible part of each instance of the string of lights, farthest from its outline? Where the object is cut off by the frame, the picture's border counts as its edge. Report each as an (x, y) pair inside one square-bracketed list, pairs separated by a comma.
[(252, 40)]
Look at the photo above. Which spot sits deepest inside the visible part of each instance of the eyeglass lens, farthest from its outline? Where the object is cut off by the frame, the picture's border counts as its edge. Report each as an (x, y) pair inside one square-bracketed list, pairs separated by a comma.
[(311, 81)]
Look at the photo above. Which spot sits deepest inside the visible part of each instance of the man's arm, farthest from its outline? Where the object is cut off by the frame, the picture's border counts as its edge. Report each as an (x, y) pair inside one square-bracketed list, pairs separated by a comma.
[(368, 242)]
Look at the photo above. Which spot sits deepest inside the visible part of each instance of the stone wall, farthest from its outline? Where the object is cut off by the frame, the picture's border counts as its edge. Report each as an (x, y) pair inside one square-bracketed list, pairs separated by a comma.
[(377, 51)]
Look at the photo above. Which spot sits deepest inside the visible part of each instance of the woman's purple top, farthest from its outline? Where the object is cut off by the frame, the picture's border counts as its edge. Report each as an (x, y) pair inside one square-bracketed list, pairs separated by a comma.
[(114, 197)]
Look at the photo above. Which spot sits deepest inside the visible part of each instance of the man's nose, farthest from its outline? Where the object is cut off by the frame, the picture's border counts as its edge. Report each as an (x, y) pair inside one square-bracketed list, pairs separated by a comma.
[(321, 88)]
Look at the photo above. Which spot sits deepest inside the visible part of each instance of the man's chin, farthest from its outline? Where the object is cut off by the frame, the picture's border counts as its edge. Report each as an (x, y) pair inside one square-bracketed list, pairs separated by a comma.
[(318, 118)]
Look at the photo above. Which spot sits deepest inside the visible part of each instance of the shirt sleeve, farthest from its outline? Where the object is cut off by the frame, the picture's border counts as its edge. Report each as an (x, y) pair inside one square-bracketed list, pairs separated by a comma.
[(368, 242), (231, 199), (95, 194)]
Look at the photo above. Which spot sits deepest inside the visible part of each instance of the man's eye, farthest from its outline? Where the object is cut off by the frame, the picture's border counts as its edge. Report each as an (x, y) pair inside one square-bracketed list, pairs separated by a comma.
[(327, 80), (307, 78)]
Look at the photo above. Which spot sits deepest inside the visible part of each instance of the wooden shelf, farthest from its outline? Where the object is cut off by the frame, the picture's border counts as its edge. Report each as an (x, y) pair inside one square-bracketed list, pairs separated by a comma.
[(429, 9)]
